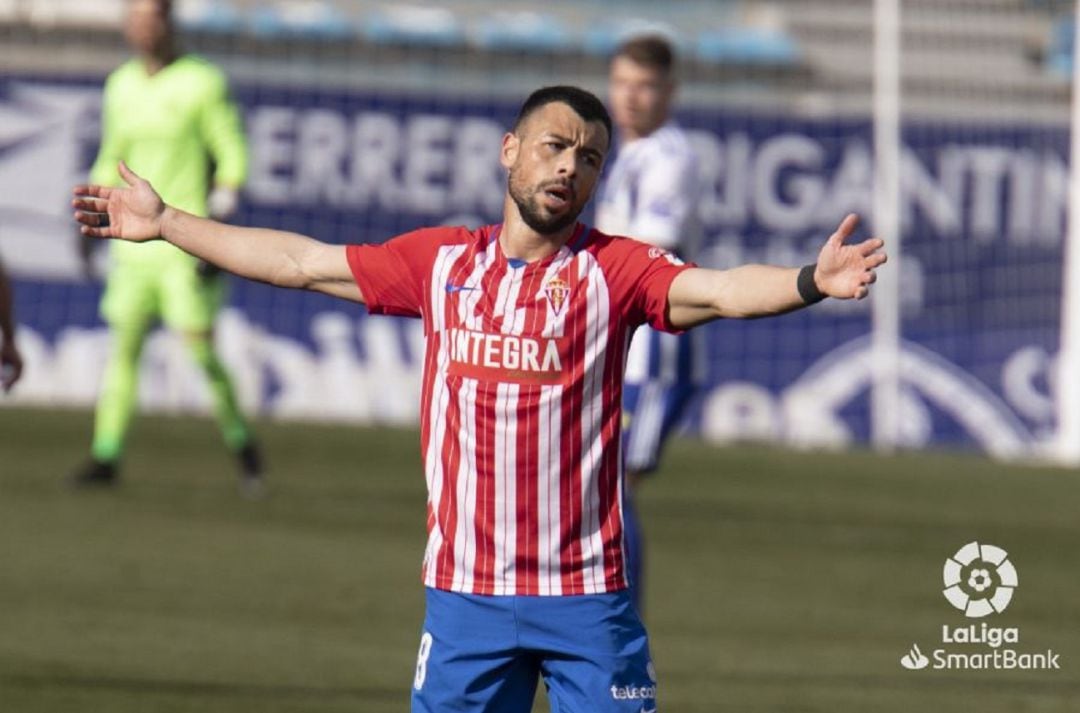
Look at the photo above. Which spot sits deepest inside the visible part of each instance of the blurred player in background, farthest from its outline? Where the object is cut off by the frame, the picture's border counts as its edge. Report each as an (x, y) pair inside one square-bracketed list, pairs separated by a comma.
[(651, 193), (11, 363), (527, 325), (168, 115)]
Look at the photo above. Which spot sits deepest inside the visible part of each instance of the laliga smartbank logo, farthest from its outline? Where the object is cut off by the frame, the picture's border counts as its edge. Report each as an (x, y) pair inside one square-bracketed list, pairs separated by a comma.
[(980, 581)]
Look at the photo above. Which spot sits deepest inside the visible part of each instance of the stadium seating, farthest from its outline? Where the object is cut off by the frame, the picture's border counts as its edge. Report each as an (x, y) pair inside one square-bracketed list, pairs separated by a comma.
[(747, 46), (1005, 58), (588, 28), (1059, 54), (602, 39), (414, 25), (526, 31), (210, 17), (308, 19), (75, 13)]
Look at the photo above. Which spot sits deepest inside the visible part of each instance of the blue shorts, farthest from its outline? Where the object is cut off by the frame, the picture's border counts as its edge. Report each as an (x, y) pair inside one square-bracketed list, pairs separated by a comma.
[(486, 653)]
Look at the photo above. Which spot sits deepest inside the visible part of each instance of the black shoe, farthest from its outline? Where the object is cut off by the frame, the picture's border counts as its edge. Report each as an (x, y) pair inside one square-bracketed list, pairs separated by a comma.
[(95, 474), (252, 484)]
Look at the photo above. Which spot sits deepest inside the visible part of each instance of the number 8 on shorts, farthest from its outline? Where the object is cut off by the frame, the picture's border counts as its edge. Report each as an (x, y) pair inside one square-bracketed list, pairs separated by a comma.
[(421, 661)]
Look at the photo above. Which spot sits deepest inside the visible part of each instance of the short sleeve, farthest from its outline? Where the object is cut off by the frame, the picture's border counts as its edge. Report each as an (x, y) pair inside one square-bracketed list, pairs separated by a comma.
[(641, 275), (392, 276)]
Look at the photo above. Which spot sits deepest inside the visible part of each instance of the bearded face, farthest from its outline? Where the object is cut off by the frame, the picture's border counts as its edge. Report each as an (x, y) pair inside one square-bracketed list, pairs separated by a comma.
[(554, 162), (546, 207)]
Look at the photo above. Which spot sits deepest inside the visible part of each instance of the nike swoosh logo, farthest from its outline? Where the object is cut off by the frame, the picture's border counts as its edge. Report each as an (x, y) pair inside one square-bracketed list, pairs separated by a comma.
[(459, 288)]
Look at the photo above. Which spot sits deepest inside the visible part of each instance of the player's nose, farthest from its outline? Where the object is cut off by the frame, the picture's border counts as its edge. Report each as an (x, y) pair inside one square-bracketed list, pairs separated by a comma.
[(567, 165)]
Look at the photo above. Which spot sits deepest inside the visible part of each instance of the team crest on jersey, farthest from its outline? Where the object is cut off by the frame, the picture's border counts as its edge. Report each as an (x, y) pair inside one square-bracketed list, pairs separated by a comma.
[(557, 291)]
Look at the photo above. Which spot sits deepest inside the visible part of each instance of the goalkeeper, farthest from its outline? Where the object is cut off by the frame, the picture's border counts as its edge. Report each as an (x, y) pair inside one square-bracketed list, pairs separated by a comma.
[(168, 115)]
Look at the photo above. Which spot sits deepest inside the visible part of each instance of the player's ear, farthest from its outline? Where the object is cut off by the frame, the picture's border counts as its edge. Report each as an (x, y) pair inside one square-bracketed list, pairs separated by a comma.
[(511, 145)]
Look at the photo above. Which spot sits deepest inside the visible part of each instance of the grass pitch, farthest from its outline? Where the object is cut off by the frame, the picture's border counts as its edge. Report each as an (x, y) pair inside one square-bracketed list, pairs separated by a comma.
[(779, 581)]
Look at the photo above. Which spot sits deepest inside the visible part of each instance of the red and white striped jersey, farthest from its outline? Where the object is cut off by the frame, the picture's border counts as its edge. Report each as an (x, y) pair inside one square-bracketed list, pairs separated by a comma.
[(522, 389)]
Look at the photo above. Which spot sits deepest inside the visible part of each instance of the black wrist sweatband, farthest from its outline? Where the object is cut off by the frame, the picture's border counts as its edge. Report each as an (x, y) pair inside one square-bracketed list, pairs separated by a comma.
[(808, 290)]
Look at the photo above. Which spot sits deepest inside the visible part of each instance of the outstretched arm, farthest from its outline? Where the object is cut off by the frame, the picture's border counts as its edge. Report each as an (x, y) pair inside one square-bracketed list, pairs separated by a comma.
[(843, 271), (137, 214)]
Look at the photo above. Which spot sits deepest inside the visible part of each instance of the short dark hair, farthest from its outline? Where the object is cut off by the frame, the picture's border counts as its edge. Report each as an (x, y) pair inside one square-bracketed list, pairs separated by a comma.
[(653, 51), (584, 103)]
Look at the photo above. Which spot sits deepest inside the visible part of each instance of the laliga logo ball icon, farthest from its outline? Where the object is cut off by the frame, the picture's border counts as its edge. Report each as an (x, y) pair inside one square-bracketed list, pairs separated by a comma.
[(979, 580)]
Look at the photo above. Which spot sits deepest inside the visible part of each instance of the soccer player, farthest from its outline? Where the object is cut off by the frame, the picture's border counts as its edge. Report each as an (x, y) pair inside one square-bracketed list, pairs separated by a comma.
[(651, 193), (168, 115), (527, 325), (11, 363)]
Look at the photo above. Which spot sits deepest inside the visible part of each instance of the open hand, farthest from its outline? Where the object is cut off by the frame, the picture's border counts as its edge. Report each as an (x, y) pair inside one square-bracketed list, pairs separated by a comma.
[(133, 213), (847, 271)]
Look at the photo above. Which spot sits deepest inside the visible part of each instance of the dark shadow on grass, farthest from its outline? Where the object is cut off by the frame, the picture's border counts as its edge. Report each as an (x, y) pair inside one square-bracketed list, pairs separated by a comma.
[(164, 686)]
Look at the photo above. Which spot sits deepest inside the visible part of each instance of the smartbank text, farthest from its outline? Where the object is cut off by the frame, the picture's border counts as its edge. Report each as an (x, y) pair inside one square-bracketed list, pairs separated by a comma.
[(998, 659)]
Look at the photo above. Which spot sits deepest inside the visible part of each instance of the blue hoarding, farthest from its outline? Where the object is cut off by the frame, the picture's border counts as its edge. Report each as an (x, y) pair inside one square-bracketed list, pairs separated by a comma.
[(983, 211)]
